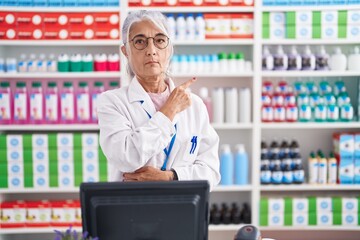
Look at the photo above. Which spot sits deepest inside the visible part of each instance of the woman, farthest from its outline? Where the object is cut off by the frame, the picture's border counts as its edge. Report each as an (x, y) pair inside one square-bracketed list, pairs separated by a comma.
[(152, 130)]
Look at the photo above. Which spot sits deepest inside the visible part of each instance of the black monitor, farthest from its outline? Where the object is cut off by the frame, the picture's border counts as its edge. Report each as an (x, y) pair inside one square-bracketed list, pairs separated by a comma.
[(176, 210)]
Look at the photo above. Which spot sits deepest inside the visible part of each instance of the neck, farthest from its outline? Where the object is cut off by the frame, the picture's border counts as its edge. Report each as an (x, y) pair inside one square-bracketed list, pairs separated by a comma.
[(153, 84)]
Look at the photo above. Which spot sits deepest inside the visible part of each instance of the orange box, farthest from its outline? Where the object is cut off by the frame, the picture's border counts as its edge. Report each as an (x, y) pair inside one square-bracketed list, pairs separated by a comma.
[(38, 213), (217, 25), (242, 25), (8, 33), (107, 33), (34, 20), (7, 19), (28, 32), (13, 214)]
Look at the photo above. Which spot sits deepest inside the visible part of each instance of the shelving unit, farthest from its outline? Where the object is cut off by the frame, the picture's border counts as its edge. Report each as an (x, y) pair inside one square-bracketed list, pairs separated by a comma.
[(250, 134)]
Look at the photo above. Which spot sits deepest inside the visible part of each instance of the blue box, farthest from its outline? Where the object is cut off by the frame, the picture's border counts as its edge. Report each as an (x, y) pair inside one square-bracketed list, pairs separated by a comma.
[(281, 2), (339, 2), (69, 3), (84, 2), (100, 2), (354, 2), (114, 3), (324, 2), (39, 3), (55, 3), (10, 3), (357, 171), (25, 3), (295, 2), (310, 2)]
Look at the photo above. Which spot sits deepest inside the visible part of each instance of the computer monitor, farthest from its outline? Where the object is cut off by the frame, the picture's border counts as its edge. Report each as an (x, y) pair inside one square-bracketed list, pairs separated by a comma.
[(176, 210)]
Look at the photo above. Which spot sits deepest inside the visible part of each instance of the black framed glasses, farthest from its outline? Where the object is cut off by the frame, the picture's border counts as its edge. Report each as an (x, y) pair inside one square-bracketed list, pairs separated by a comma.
[(140, 42)]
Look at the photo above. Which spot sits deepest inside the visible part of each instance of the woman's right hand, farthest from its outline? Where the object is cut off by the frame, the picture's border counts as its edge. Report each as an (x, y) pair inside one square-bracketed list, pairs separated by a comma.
[(178, 100)]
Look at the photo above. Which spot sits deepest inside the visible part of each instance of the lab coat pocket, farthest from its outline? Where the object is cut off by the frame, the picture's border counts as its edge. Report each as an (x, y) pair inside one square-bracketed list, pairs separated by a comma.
[(192, 148)]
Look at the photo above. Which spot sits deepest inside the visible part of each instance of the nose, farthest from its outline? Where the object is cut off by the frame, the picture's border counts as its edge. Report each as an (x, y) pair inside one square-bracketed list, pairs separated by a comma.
[(150, 49)]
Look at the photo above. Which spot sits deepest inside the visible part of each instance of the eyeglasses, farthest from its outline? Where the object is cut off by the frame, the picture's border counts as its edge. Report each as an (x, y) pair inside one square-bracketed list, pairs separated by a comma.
[(140, 42)]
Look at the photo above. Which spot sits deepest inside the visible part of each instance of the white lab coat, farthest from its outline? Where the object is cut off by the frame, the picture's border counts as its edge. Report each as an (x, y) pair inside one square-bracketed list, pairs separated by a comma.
[(130, 139)]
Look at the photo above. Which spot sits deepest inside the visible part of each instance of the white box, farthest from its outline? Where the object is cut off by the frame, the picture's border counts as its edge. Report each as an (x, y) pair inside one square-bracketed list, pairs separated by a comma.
[(329, 32), (65, 140), (329, 17), (90, 154), (15, 155), (90, 140), (300, 219), (303, 18), (304, 32), (16, 181), (353, 32), (353, 17), (277, 32), (66, 181), (41, 168), (276, 205), (350, 219), (65, 154), (40, 155), (40, 141), (324, 218), (323, 204), (300, 205), (66, 168), (276, 219), (41, 181), (14, 141), (349, 205), (16, 168), (277, 18)]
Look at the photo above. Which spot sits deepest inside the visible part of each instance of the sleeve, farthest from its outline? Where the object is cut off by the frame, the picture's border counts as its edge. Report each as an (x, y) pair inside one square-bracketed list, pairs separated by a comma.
[(126, 148), (207, 164)]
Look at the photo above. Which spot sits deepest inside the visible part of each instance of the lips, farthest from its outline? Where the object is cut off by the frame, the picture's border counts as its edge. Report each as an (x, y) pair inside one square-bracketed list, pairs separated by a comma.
[(151, 62)]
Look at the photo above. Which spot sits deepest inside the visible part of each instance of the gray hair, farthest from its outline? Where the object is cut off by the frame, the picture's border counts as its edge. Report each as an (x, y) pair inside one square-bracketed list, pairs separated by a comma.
[(157, 18)]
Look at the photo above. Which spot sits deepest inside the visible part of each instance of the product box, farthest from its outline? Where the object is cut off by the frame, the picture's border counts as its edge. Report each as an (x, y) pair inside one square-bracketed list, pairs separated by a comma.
[(300, 219), (80, 19), (15, 155), (303, 18), (55, 20), (276, 219), (90, 171), (90, 154), (277, 18), (65, 140), (66, 181), (357, 145), (277, 32), (134, 3), (62, 213), (323, 204), (38, 213), (350, 205), (41, 168), (353, 17), (350, 219), (276, 205), (8, 19), (16, 169), (55, 34), (89, 140), (29, 19), (41, 180), (242, 26), (8, 33), (329, 31), (344, 145), (40, 141), (29, 33), (14, 141), (299, 32), (107, 19), (357, 171), (300, 205), (15, 181), (69, 3), (77, 207), (107, 33), (353, 31), (217, 25), (80, 32), (329, 17), (159, 3), (65, 154), (324, 218), (13, 214)]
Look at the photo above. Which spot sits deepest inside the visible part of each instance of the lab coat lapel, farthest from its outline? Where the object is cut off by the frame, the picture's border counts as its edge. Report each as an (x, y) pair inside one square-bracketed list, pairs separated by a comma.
[(137, 94)]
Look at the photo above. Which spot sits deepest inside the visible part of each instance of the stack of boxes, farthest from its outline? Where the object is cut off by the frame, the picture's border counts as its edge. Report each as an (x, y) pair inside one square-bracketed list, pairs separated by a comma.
[(50, 160), (310, 211), (274, 25)]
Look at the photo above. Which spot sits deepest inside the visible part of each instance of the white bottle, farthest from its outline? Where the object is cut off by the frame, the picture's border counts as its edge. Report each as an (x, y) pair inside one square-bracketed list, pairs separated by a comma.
[(244, 105), (180, 27), (190, 27), (32, 63), (338, 61), (240, 62), (204, 95), (41, 64), (2, 65), (200, 27), (294, 59), (175, 64), (218, 105), (308, 60), (354, 60), (267, 59), (22, 64), (51, 63), (11, 65), (172, 26), (231, 105)]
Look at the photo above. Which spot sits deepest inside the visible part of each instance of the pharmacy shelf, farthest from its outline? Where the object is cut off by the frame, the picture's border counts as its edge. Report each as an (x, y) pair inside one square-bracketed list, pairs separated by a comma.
[(225, 227), (312, 228), (309, 8), (62, 9), (233, 188), (50, 127), (311, 125), (222, 41), (297, 74), (232, 126), (45, 43), (62, 75), (39, 190), (309, 41), (191, 9), (307, 187), (37, 230), (214, 75)]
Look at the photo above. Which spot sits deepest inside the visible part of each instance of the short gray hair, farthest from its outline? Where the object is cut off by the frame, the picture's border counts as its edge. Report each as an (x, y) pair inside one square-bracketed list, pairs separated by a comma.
[(157, 18)]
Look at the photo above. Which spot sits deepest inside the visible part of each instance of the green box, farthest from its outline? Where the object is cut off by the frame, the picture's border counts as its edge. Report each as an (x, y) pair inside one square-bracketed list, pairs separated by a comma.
[(316, 18), (337, 204), (52, 140), (77, 140), (290, 18), (342, 18), (337, 219), (312, 219), (312, 204), (3, 157), (290, 32), (342, 31), (266, 32), (4, 182), (3, 144), (27, 141), (264, 220), (316, 32), (288, 219), (266, 19), (264, 206)]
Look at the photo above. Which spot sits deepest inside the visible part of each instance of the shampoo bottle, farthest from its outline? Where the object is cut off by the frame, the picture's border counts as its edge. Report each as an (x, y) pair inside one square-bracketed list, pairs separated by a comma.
[(241, 165), (226, 165)]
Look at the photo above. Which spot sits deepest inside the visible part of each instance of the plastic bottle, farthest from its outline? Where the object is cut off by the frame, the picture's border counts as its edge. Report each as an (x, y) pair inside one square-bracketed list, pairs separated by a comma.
[(274, 147), (215, 66), (200, 27), (287, 170), (240, 62), (83, 103), (100, 62), (332, 169), (32, 63), (184, 63), (180, 27), (51, 64), (323, 169), (320, 113), (294, 59), (226, 165), (87, 63), (339, 87), (113, 85), (204, 95), (2, 65), (42, 63), (200, 63), (113, 62), (277, 174), (63, 63), (313, 169), (52, 103), (21, 104), (232, 63), (231, 106), (75, 63), (23, 64), (244, 105), (284, 148), (6, 110), (338, 61), (265, 174), (241, 165), (246, 213), (322, 59), (294, 148), (171, 26), (299, 173), (36, 103), (264, 148), (223, 62), (346, 112), (324, 87), (354, 60), (280, 59), (308, 61), (267, 59), (95, 92), (218, 105), (11, 65), (67, 103), (190, 27), (332, 113)]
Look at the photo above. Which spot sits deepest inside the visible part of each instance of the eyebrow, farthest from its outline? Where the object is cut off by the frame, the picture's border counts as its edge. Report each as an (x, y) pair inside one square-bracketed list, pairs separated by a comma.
[(143, 35)]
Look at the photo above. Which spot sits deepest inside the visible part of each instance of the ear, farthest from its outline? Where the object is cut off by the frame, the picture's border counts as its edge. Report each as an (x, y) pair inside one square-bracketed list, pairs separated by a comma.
[(123, 50)]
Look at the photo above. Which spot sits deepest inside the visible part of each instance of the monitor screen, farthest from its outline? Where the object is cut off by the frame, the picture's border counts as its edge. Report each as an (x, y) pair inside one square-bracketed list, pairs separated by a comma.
[(176, 210)]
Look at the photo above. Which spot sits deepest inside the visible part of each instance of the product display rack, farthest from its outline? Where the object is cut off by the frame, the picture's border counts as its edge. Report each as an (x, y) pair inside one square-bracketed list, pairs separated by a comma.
[(250, 134)]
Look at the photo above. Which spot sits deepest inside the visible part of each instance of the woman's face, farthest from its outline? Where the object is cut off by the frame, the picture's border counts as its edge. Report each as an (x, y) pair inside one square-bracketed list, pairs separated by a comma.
[(151, 61)]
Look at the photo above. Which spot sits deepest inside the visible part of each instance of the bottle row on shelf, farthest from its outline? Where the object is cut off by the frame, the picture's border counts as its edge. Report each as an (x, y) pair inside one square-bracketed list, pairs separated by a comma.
[(50, 102), (307, 61), (310, 211), (64, 63), (59, 25), (305, 101), (233, 214), (332, 24), (192, 3), (42, 213), (60, 3)]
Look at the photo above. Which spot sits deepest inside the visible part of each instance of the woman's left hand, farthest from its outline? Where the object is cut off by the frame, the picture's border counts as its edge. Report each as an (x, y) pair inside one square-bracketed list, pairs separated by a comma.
[(148, 173)]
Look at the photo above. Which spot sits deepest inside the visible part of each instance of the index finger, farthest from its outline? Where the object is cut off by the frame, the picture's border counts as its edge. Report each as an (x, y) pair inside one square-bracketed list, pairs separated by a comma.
[(188, 83)]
